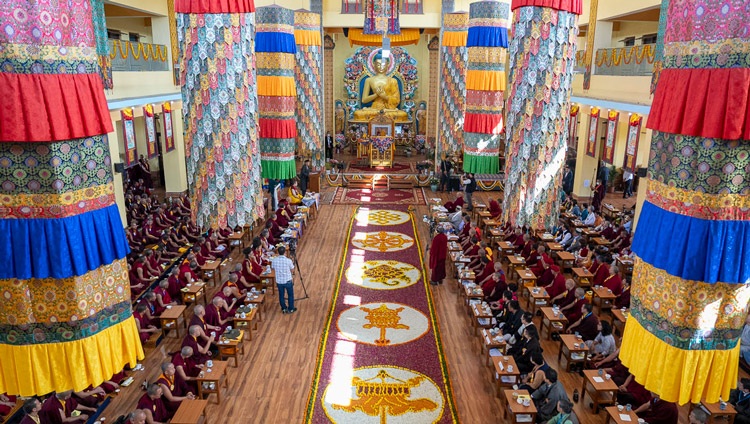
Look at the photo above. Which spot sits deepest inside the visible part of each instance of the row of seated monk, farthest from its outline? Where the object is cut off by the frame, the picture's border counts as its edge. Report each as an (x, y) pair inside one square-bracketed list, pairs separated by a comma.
[(522, 338)]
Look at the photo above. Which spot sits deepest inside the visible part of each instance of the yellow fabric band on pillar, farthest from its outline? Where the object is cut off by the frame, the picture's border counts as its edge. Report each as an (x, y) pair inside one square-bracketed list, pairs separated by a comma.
[(455, 39), (485, 80), (647, 357), (307, 38), (39, 369), (276, 86)]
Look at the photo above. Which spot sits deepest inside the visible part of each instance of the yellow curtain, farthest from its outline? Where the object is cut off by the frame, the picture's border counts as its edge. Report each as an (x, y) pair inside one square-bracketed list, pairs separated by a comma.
[(455, 38), (485, 80), (407, 36)]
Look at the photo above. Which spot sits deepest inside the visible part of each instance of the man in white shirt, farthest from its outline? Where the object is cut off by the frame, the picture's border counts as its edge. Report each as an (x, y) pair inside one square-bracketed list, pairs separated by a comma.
[(627, 181), (591, 218), (284, 267)]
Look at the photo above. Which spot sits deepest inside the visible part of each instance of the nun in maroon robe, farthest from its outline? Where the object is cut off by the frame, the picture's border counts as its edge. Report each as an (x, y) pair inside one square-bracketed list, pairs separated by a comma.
[(438, 254), (495, 209)]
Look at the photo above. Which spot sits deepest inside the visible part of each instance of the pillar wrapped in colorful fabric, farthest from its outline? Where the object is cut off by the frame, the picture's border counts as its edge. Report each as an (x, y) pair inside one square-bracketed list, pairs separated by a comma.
[(690, 283), (308, 74), (277, 91), (542, 57), (219, 101), (66, 320), (452, 82), (485, 84)]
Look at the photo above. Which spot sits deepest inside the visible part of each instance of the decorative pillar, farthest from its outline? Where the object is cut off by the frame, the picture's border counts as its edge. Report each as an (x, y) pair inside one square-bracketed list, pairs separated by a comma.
[(218, 109), (65, 319), (277, 91), (308, 74), (590, 53), (542, 57), (485, 84), (102, 43), (452, 83), (690, 281), (434, 85), (328, 47)]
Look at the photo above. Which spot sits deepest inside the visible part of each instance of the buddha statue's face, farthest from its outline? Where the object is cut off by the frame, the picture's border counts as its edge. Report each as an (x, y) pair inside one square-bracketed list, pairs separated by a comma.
[(380, 65)]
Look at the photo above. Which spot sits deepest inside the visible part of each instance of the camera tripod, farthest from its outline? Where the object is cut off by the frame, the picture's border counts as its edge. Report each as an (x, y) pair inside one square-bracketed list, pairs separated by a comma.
[(293, 254)]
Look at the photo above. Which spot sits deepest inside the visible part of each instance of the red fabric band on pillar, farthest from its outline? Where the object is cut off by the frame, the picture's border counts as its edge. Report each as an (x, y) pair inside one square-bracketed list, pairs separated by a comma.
[(214, 6), (574, 6)]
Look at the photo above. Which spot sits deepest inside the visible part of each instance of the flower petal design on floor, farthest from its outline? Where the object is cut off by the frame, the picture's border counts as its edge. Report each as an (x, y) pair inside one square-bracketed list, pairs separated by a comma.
[(383, 275), (382, 324), (381, 217), (382, 241)]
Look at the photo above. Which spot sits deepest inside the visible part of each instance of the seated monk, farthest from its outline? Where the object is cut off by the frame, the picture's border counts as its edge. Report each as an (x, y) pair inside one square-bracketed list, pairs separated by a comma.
[(282, 218), (454, 205), (149, 300), (602, 272), (584, 255), (629, 390), (294, 194), (217, 248), (188, 230), (90, 397), (136, 417), (528, 245), (614, 281), (534, 255), (113, 383), (276, 231), (520, 241), (543, 262), (201, 352), (232, 301), (186, 370), (658, 411), (622, 241), (152, 404), (58, 409), (623, 300), (139, 278), (163, 299), (173, 283), (198, 319), (7, 403), (587, 325), (32, 409), (151, 232), (203, 252), (143, 323), (216, 315), (252, 268), (607, 231), (572, 311), (557, 286), (187, 273), (173, 393), (500, 287), (494, 209), (135, 238), (152, 266), (568, 295)]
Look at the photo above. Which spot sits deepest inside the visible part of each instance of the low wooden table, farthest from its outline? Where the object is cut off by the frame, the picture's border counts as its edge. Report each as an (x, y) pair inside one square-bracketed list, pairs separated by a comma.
[(603, 298), (192, 292), (213, 268), (552, 320), (569, 345), (190, 412), (553, 246), (525, 276), (268, 280), (538, 298), (491, 342), (259, 299), (217, 376), (232, 348), (621, 318), (626, 264), (601, 241), (466, 275), (494, 236), (478, 312), (472, 293), (170, 319), (582, 277), (515, 262), (547, 237), (505, 378), (518, 412), (238, 236), (506, 248), (714, 411), (477, 208), (244, 323), (602, 391), (567, 260), (615, 416)]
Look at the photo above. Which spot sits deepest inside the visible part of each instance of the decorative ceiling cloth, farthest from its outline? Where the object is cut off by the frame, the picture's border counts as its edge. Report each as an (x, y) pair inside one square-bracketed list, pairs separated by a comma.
[(690, 291), (308, 74), (381, 17), (406, 37), (219, 102), (452, 108), (542, 58), (66, 320), (277, 91), (485, 83)]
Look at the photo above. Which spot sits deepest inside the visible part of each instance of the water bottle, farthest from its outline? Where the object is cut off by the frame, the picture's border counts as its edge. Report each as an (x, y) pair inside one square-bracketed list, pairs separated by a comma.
[(575, 395)]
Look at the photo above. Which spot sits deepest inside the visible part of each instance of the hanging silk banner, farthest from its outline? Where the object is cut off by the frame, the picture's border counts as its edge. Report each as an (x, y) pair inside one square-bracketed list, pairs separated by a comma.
[(593, 132), (485, 83), (381, 17), (128, 136), (66, 321), (542, 56), (631, 147), (277, 91), (166, 116), (452, 108), (219, 101), (573, 127), (308, 75), (150, 121), (611, 138)]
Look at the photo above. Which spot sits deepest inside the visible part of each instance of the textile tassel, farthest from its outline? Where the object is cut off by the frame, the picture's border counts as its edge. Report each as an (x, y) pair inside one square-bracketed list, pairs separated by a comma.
[(221, 126), (66, 318), (277, 91), (690, 287), (542, 57), (308, 75), (485, 84)]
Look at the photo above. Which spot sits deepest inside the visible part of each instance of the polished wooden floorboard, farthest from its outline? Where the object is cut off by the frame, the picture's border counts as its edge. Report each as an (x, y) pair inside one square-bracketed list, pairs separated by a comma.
[(272, 382)]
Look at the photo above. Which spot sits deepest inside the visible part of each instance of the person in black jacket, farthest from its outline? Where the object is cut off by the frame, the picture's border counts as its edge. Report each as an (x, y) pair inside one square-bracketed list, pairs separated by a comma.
[(304, 176), (530, 346), (329, 145), (510, 319), (470, 186), (445, 173), (740, 398)]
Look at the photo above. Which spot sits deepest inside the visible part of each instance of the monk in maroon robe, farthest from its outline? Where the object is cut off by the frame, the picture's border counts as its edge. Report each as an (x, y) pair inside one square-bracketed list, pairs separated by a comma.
[(438, 255), (587, 325), (214, 315), (200, 353), (494, 209), (601, 274), (614, 281), (623, 300), (60, 406), (573, 311), (557, 286), (32, 409), (186, 370), (658, 411), (151, 402)]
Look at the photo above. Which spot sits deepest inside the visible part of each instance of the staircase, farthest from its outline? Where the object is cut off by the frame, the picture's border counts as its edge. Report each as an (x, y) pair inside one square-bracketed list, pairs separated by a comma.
[(380, 182)]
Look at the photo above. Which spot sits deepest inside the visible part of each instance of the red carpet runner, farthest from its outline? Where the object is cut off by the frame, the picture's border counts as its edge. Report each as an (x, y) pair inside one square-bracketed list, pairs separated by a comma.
[(380, 358)]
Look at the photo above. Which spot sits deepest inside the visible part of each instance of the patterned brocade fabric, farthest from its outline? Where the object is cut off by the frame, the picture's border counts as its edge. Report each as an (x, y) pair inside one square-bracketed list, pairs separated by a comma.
[(542, 57), (221, 125), (309, 105)]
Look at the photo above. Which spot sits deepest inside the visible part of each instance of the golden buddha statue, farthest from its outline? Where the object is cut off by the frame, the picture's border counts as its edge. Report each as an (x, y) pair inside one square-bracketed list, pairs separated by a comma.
[(383, 92)]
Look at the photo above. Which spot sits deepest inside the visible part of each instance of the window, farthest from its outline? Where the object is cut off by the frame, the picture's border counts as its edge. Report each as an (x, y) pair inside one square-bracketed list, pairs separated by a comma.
[(649, 39), (113, 34), (134, 38), (351, 6), (630, 41)]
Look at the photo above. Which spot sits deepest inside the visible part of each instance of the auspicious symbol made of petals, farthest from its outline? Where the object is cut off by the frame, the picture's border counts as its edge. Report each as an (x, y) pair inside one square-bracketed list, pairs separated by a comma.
[(383, 318), (386, 274), (384, 242), (383, 217)]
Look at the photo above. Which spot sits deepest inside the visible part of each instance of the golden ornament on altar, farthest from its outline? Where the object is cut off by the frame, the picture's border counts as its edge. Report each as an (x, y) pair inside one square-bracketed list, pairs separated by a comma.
[(384, 318)]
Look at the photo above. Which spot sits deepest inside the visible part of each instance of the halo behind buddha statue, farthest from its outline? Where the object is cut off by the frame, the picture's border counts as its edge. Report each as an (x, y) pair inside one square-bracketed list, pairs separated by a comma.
[(376, 84)]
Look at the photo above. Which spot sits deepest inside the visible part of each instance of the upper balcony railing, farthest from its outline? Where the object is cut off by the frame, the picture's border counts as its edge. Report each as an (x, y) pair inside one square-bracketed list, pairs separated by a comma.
[(408, 7), (128, 56), (626, 61)]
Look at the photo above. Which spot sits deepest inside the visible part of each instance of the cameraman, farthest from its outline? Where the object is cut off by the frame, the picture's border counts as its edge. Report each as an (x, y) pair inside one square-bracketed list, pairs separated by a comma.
[(284, 267)]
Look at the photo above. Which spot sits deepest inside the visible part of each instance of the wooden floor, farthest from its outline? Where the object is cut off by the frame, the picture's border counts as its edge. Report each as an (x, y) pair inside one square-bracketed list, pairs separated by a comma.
[(272, 382)]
